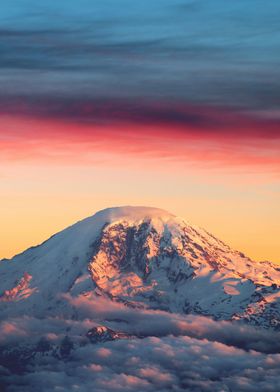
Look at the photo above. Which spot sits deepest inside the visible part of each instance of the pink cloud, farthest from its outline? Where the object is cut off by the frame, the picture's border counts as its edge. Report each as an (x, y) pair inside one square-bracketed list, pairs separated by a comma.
[(11, 330), (184, 136), (104, 352)]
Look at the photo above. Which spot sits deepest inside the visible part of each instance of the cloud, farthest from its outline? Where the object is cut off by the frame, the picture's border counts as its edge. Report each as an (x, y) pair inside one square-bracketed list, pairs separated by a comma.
[(180, 135), (11, 331), (150, 364), (146, 322), (185, 116), (182, 50), (137, 322), (170, 352)]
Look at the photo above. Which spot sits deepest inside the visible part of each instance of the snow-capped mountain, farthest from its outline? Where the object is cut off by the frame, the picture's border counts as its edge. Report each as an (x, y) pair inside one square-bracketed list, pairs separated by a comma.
[(143, 257)]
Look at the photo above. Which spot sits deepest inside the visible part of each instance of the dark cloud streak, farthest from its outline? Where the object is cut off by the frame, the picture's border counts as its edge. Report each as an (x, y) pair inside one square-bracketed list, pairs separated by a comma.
[(184, 116), (188, 51)]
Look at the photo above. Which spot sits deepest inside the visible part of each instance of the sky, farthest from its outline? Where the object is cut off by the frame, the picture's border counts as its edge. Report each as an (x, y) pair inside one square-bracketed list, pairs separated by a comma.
[(166, 103)]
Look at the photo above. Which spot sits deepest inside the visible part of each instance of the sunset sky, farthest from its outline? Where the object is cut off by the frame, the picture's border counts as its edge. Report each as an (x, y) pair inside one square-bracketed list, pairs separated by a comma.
[(172, 103)]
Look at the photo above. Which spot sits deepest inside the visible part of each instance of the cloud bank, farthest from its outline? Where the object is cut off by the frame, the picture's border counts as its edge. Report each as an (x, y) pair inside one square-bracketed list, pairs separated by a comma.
[(163, 352)]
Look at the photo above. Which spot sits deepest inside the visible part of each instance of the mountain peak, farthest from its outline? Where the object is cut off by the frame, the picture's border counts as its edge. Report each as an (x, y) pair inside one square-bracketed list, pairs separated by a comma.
[(142, 256), (133, 213)]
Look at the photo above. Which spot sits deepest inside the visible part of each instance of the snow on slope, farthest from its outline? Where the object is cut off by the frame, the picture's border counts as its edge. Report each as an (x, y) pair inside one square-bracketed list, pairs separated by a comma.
[(143, 257)]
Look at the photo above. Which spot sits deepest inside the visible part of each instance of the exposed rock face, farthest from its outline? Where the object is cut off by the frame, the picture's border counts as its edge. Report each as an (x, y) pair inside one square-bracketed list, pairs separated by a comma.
[(19, 291), (103, 334)]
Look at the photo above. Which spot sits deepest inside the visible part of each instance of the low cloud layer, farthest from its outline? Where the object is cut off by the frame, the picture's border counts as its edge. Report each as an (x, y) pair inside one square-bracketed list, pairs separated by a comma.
[(145, 322), (164, 364), (167, 352)]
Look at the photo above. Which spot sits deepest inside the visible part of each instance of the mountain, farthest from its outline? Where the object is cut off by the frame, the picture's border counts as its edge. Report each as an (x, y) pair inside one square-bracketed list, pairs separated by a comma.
[(143, 257)]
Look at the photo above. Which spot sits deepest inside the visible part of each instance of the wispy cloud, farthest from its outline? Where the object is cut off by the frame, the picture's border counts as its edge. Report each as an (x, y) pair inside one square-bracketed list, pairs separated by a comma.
[(87, 131), (222, 54)]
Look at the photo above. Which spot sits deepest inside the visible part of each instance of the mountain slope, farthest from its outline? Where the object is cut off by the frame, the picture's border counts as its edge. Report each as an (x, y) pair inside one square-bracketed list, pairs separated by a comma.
[(143, 257)]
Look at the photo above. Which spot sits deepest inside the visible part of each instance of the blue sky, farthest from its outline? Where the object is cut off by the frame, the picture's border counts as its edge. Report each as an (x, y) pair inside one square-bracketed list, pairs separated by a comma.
[(211, 52), (171, 103)]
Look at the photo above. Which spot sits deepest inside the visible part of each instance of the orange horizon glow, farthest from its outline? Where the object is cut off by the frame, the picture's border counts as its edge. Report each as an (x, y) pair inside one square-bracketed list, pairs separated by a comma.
[(54, 172)]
